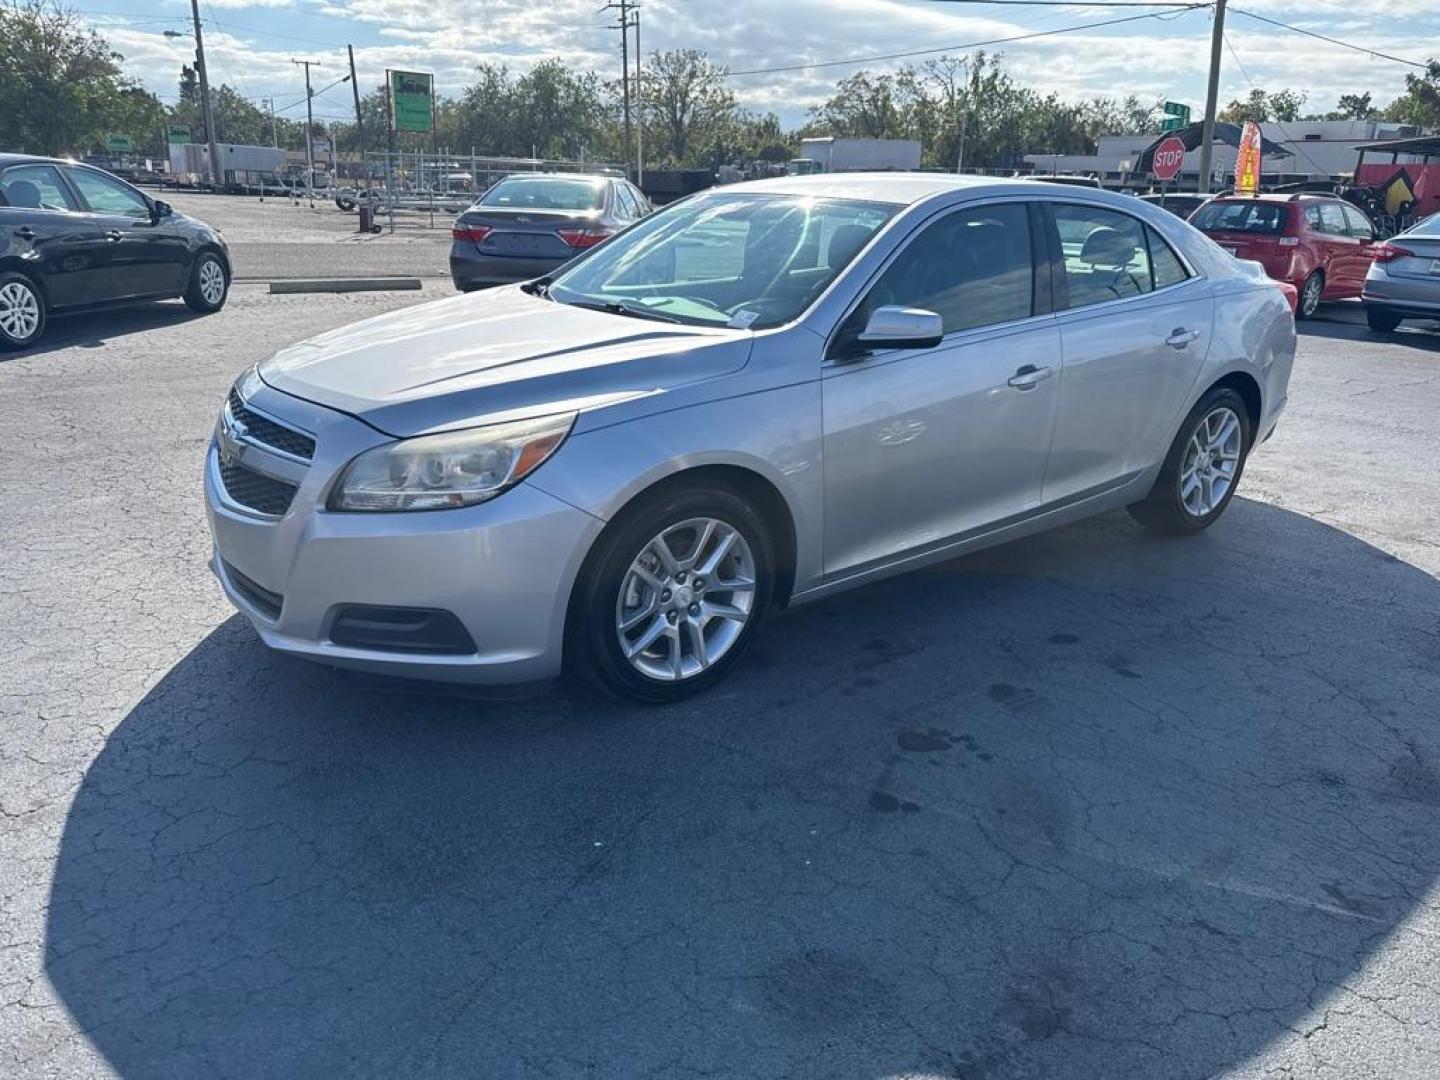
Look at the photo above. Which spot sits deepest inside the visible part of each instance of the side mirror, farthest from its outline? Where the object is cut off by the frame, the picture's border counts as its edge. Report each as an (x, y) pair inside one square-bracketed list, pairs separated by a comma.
[(160, 209), (895, 327)]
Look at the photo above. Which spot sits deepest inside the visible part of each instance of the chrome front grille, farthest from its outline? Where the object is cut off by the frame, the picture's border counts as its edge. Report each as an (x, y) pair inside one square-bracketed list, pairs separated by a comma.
[(247, 423)]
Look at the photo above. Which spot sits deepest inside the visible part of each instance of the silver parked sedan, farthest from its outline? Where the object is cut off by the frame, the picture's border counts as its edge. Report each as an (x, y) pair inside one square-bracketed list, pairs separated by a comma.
[(1403, 281), (757, 397)]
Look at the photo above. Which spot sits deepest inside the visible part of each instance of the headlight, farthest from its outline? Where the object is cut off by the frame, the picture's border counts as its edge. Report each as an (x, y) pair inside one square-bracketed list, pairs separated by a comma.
[(458, 468)]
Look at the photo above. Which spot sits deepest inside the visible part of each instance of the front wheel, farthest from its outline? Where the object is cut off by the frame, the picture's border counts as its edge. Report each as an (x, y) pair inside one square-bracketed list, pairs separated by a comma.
[(672, 595), (22, 312), (1202, 469), (209, 284)]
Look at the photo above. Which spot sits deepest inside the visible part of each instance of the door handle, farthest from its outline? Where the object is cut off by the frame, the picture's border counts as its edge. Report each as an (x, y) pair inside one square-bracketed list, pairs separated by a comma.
[(1180, 337), (1029, 377), (113, 234), (25, 232)]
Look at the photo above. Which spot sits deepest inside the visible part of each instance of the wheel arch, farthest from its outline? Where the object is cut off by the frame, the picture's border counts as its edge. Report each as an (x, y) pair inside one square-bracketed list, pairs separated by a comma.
[(211, 246), (750, 485), (12, 264), (1248, 387)]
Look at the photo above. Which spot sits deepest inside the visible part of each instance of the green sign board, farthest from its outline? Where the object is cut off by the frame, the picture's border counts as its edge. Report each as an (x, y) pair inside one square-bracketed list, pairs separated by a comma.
[(412, 105), (119, 144), (1177, 116), (178, 134)]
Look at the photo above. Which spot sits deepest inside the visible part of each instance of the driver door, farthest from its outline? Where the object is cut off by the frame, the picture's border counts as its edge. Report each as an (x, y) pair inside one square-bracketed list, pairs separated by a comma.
[(136, 254), (925, 445)]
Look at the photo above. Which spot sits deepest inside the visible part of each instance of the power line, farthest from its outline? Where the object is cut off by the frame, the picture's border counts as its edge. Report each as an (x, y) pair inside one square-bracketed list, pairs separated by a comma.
[(960, 48), (1332, 41), (1288, 137), (1077, 3)]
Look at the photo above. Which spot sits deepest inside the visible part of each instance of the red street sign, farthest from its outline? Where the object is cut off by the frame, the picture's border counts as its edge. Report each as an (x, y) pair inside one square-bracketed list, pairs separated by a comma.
[(1167, 159)]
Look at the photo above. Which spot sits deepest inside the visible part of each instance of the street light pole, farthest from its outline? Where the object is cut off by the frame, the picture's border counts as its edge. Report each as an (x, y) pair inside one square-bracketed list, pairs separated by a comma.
[(216, 177), (1212, 97), (309, 123)]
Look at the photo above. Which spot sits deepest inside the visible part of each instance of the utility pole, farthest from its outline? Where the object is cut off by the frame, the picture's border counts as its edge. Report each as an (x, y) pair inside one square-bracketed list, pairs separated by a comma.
[(639, 104), (309, 122), (274, 127), (625, 7), (359, 120), (216, 175), (1212, 98)]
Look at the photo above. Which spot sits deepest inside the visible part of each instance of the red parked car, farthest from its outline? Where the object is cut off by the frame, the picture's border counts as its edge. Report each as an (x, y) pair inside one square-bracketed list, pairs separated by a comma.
[(1319, 244)]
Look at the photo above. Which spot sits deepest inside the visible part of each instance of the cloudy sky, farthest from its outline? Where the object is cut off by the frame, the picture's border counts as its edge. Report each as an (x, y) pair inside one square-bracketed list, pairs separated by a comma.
[(250, 43)]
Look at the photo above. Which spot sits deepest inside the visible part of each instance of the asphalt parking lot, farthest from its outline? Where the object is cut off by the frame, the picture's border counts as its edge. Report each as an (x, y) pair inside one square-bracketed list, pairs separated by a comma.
[(1089, 805)]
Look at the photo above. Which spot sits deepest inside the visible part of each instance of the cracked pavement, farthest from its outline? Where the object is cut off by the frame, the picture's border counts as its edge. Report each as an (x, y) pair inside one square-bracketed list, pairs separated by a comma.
[(1088, 805)]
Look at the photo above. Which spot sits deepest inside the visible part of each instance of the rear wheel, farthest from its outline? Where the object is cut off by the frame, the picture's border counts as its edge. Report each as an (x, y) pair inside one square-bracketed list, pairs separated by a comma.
[(209, 284), (672, 595), (1381, 320), (1202, 469), (1310, 293), (22, 312)]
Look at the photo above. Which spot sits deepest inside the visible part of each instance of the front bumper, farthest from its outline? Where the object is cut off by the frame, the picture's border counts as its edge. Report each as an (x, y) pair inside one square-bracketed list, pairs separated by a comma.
[(504, 568)]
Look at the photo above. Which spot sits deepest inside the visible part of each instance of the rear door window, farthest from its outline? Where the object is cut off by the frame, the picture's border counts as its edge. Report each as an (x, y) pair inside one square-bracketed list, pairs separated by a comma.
[(1106, 254)]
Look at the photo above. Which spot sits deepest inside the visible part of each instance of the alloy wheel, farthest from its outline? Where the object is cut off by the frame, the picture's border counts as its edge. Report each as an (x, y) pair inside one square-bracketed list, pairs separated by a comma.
[(19, 310), (212, 281), (1211, 462), (686, 599), (1310, 294)]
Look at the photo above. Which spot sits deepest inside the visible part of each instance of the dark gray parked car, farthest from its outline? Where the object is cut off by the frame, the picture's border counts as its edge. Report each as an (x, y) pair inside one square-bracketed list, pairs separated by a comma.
[(531, 223), (1404, 277)]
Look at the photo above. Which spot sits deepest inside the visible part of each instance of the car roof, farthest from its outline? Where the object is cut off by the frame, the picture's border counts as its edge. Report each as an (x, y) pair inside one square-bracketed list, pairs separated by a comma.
[(26, 159), (908, 188), (595, 177)]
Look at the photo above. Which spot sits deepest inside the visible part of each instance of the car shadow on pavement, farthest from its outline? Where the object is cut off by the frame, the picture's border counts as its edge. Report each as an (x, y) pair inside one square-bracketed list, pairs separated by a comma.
[(93, 329), (1088, 805)]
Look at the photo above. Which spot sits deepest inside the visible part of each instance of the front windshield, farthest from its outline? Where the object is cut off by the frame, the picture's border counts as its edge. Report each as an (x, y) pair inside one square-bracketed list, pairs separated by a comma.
[(739, 260)]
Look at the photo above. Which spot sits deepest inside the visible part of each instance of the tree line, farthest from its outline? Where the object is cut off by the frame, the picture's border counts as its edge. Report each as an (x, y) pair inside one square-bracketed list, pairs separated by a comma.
[(64, 90)]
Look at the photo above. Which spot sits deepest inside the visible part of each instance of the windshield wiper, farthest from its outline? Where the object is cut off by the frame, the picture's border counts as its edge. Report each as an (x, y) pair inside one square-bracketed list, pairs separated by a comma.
[(539, 287), (625, 307)]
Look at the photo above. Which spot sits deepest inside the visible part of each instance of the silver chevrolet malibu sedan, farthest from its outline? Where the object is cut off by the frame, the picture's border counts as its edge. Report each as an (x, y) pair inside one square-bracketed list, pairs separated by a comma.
[(758, 397)]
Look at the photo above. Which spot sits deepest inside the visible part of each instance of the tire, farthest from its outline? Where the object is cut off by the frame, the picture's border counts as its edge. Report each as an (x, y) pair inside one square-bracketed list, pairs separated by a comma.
[(200, 291), (1172, 510), (1380, 320), (1311, 290), (22, 312), (608, 593)]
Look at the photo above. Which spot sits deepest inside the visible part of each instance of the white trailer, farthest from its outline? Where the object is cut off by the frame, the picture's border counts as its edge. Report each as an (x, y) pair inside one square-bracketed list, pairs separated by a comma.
[(240, 166), (831, 154)]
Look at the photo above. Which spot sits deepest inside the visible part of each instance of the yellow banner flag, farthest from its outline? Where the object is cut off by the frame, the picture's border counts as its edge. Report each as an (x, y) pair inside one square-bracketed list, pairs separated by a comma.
[(1247, 160)]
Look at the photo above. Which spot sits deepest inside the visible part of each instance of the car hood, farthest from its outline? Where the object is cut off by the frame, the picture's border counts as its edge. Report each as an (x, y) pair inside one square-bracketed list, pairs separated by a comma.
[(494, 356)]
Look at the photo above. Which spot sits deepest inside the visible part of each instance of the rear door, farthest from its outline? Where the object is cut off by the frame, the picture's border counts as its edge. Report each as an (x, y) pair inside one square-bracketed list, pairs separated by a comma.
[(42, 225), (1135, 326), (141, 256), (1344, 260)]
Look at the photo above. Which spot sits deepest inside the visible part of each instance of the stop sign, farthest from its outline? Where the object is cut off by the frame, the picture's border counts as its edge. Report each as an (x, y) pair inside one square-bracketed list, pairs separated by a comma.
[(1168, 156)]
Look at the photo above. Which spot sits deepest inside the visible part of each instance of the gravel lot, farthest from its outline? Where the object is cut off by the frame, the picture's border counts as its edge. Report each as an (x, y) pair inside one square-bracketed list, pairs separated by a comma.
[(1090, 805)]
